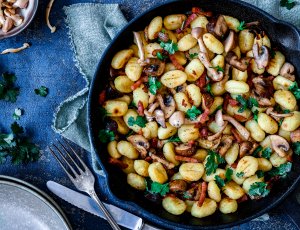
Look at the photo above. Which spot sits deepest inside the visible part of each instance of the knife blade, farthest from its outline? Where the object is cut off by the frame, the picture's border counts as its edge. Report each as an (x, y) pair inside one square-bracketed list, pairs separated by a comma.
[(86, 203)]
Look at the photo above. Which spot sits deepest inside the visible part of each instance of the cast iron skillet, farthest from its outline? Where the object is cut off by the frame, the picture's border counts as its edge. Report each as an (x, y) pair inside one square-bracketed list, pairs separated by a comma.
[(283, 35)]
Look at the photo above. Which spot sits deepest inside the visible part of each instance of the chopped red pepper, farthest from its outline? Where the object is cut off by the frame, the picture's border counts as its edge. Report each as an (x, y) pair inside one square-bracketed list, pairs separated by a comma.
[(187, 22), (203, 194), (201, 81), (204, 116), (102, 97), (140, 108), (197, 10), (175, 62)]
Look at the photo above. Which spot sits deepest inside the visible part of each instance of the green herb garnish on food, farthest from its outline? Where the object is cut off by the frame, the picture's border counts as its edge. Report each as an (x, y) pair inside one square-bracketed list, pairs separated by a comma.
[(208, 89), (241, 26), (154, 85), (106, 136), (258, 190), (260, 173), (42, 91), (246, 104), (193, 113), (240, 174), (103, 113), (139, 121), (212, 162), (169, 46), (17, 146), (160, 56), (255, 115), (281, 170), (187, 195), (174, 139), (289, 4), (256, 151), (295, 90), (157, 188), (266, 153), (8, 91), (220, 182), (194, 55), (218, 68), (17, 114), (228, 174), (296, 147)]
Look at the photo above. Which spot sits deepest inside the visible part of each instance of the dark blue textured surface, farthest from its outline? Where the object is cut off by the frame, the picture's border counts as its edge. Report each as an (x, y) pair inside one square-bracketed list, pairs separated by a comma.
[(49, 62)]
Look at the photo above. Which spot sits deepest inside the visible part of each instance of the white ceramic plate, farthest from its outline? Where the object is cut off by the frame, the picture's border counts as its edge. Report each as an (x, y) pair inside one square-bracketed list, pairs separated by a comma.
[(23, 206)]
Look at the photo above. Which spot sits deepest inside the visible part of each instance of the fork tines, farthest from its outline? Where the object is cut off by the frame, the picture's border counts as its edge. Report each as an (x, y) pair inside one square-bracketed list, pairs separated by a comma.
[(61, 153)]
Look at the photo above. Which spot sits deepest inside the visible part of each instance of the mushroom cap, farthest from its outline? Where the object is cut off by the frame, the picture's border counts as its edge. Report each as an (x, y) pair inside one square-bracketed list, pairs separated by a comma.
[(232, 59), (160, 117), (197, 32), (185, 150), (229, 42), (261, 58), (287, 71), (279, 145), (217, 27), (177, 119)]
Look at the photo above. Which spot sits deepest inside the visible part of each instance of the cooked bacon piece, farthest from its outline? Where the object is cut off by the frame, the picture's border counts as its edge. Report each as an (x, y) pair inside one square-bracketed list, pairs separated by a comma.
[(197, 10), (243, 198), (240, 118), (203, 193), (201, 81), (187, 159), (236, 135), (175, 62), (117, 162), (102, 97), (168, 164), (233, 102), (140, 107)]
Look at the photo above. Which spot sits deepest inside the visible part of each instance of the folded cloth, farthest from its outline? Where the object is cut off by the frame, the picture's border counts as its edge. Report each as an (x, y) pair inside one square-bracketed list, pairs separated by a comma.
[(91, 29)]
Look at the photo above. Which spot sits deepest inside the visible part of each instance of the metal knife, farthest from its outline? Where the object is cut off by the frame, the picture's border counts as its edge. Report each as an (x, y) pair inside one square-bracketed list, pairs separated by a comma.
[(86, 203)]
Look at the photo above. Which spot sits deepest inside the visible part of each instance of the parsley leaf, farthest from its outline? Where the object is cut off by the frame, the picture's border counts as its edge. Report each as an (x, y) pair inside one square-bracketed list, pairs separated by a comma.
[(255, 115), (17, 114), (289, 4), (7, 90), (187, 195), (260, 173), (208, 89), (160, 56), (266, 153), (286, 111), (169, 46), (240, 174), (194, 55), (154, 85), (220, 182), (228, 174), (103, 113), (218, 68), (106, 135), (213, 161), (42, 91), (193, 113), (258, 189), (140, 121), (174, 139), (242, 26), (256, 151), (155, 187), (295, 90), (281, 170), (17, 146), (296, 147), (246, 103)]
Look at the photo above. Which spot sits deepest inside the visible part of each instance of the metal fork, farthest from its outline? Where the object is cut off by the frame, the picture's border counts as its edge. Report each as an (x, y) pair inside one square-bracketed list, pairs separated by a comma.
[(81, 177)]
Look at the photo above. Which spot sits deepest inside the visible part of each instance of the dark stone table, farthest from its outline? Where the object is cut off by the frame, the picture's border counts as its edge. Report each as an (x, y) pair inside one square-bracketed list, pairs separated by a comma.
[(49, 62)]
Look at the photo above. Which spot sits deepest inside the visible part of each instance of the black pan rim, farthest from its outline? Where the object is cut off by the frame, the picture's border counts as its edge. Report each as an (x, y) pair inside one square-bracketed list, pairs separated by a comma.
[(133, 207)]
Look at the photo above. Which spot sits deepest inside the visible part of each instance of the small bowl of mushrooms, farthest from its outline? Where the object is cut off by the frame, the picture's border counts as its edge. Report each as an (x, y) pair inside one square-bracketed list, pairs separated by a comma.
[(15, 16)]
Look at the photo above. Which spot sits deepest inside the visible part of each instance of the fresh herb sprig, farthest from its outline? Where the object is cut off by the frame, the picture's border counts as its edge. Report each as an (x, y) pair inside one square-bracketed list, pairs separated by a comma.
[(154, 85), (217, 68), (240, 174), (213, 161), (246, 104), (106, 136), (193, 113), (157, 188), (294, 88), (17, 146), (266, 153), (241, 26), (258, 190), (139, 121), (281, 170), (174, 139), (8, 91), (296, 147), (193, 55), (289, 4), (169, 46)]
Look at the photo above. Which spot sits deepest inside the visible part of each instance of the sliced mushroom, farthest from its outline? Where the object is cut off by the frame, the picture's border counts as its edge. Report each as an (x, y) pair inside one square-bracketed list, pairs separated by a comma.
[(48, 10), (232, 59), (2, 19), (154, 67), (177, 119), (218, 134), (140, 143), (151, 97), (217, 27), (295, 136), (18, 20), (185, 150), (229, 43), (261, 56), (245, 147), (263, 87), (287, 71), (168, 105), (21, 4), (279, 145), (197, 33), (240, 128), (225, 144), (8, 24), (168, 164), (178, 186), (219, 118), (270, 111), (15, 50), (160, 117), (153, 107), (186, 159), (138, 40)]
